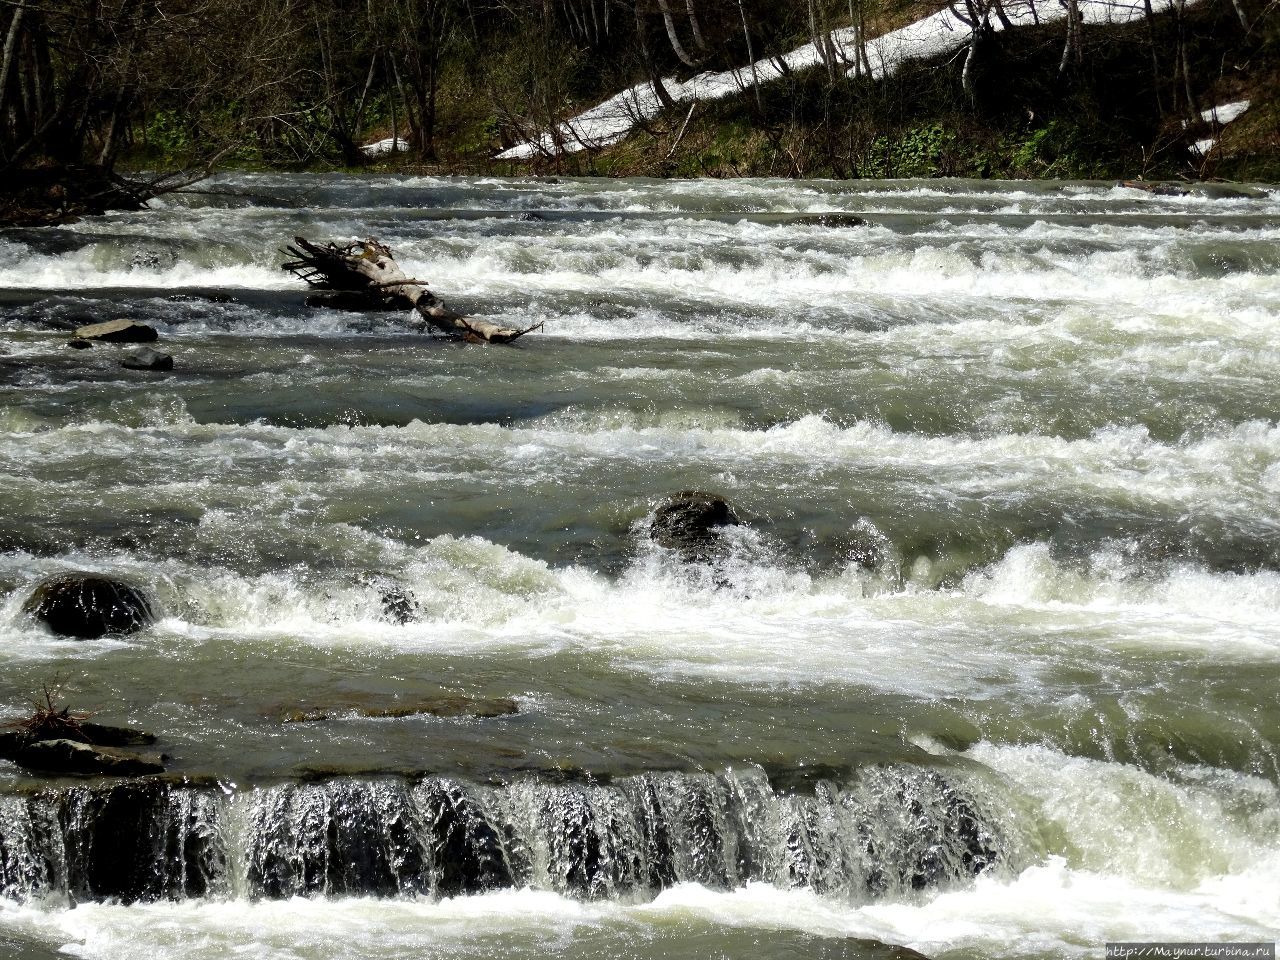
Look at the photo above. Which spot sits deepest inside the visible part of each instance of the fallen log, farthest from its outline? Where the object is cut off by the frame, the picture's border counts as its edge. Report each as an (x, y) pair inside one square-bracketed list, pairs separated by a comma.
[(368, 269)]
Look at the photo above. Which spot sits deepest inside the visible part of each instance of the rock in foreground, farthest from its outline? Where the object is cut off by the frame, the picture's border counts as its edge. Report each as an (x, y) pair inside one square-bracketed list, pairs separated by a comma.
[(118, 331), (88, 606)]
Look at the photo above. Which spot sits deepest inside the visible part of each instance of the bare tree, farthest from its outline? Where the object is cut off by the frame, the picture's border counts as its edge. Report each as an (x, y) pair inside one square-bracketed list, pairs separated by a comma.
[(1071, 52)]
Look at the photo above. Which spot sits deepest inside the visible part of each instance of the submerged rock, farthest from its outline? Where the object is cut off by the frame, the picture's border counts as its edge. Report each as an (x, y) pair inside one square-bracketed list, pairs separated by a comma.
[(445, 705), (865, 546), (118, 331), (88, 606), (76, 343), (690, 524), (450, 706), (357, 301), (147, 359), (1156, 188)]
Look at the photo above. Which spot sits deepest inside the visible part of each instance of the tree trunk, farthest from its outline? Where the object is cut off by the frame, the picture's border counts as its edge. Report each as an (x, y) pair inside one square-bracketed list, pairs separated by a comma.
[(698, 40), (368, 268), (669, 22), (655, 81), (1156, 76), (755, 78), (1003, 17), (6, 58), (1071, 55), (976, 28)]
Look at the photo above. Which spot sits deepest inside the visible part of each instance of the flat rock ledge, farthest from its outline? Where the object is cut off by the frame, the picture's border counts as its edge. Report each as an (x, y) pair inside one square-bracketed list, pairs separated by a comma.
[(118, 331), (64, 756)]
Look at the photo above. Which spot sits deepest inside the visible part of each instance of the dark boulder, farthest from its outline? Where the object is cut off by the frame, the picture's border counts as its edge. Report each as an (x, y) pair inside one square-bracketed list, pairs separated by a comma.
[(866, 547), (829, 220), (690, 523), (118, 331), (63, 756), (102, 735), (88, 606), (147, 359), (76, 343)]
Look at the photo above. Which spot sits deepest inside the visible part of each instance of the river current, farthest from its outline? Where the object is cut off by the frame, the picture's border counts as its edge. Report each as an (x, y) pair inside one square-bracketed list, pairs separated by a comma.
[(989, 670)]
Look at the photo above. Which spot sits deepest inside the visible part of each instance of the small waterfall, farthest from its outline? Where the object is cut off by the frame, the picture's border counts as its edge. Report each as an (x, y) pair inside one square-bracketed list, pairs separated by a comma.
[(884, 831), (128, 842)]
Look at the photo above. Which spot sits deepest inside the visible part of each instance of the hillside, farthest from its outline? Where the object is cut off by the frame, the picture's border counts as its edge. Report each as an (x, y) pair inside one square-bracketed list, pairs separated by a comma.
[(1109, 116)]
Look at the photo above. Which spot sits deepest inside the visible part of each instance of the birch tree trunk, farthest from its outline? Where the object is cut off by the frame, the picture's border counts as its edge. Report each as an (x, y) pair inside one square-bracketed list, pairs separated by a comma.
[(669, 22)]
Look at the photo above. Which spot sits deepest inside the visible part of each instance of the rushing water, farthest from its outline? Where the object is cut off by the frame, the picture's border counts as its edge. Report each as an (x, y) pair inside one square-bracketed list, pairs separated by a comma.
[(990, 670)]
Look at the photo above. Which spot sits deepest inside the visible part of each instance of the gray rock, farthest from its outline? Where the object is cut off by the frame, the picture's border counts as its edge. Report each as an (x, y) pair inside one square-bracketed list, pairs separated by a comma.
[(88, 606), (118, 331), (147, 359)]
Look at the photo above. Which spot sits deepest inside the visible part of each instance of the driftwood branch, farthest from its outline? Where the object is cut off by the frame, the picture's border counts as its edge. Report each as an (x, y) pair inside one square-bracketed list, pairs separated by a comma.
[(366, 270)]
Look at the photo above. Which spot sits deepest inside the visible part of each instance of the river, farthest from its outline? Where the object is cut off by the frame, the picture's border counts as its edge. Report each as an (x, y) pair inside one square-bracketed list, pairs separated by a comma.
[(988, 670)]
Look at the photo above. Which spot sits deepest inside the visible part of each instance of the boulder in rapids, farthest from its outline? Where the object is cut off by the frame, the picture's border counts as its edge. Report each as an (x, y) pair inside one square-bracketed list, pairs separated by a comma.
[(88, 606), (691, 523), (398, 604), (145, 358), (829, 220), (76, 343), (118, 331)]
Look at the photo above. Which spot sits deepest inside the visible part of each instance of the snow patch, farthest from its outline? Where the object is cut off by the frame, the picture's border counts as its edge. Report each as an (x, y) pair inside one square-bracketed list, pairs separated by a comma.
[(935, 35), (389, 145), (1224, 113)]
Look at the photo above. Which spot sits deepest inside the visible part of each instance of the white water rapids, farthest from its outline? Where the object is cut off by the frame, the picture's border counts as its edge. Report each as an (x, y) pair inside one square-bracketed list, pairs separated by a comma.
[(988, 670)]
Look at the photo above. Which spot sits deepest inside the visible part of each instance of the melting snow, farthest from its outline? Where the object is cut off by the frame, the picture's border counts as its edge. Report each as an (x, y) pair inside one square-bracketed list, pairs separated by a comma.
[(937, 34), (389, 145)]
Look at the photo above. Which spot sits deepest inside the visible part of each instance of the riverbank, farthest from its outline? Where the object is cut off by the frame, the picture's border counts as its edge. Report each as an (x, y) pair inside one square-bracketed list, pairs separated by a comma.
[(1116, 116)]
